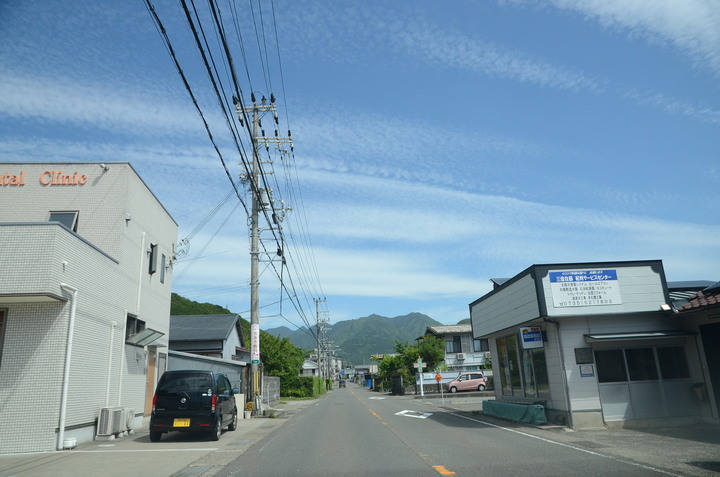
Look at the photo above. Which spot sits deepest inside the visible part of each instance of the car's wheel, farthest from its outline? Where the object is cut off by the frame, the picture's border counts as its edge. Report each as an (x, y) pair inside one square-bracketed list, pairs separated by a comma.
[(155, 436), (215, 433), (233, 424), (453, 389), (481, 387)]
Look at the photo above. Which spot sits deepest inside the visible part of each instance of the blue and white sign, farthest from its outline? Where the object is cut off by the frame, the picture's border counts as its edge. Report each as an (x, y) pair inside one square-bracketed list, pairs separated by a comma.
[(585, 288), (531, 337)]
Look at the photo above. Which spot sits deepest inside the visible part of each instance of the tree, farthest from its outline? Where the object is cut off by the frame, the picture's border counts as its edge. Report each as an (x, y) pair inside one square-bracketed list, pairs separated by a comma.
[(430, 349), (280, 357)]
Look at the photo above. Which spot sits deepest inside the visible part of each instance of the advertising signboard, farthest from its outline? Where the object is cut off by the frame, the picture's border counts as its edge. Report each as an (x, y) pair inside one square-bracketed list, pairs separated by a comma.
[(531, 337), (585, 288)]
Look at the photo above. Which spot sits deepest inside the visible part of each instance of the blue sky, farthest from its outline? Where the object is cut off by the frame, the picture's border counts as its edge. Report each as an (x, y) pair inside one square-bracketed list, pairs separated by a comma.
[(436, 144)]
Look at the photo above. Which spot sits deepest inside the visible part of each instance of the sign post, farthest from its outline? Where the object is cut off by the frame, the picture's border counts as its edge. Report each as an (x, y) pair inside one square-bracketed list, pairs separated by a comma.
[(419, 365), (438, 378)]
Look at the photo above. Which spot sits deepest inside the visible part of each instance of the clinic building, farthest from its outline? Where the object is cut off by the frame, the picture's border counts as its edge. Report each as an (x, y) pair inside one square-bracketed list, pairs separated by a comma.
[(596, 344), (86, 251)]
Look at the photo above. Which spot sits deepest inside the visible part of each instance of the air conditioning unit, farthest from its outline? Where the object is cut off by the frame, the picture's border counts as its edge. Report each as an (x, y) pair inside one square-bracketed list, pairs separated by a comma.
[(461, 356), (109, 421), (129, 421)]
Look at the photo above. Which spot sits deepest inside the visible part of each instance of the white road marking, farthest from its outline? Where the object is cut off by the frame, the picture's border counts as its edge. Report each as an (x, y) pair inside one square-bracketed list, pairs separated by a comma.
[(416, 414)]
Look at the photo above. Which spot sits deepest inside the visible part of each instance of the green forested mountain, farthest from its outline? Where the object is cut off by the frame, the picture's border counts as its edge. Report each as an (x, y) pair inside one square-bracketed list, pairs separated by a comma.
[(358, 339), (182, 306)]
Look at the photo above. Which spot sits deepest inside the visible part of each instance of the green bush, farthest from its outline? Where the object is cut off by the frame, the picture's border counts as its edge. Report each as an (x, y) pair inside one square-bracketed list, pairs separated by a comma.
[(301, 386)]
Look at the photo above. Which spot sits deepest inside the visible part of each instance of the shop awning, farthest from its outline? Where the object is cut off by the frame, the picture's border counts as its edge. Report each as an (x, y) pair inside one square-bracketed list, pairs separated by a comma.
[(640, 335)]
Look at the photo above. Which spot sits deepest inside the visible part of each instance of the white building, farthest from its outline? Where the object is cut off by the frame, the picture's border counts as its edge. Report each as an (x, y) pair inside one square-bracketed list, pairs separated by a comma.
[(595, 343), (462, 351), (86, 250)]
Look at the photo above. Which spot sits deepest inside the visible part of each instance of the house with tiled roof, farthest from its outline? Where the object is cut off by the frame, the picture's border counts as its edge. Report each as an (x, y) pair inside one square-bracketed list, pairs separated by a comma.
[(701, 314), (462, 352)]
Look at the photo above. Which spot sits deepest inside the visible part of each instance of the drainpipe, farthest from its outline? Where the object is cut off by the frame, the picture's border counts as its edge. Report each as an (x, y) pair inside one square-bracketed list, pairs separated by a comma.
[(109, 367), (122, 361), (564, 372), (66, 370)]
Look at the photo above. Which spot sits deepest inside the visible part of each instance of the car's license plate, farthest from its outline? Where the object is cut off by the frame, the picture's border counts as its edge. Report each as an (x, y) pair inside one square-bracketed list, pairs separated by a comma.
[(181, 423)]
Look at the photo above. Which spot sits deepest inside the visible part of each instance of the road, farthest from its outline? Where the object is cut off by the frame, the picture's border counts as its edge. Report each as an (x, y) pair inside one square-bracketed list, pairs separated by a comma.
[(355, 432)]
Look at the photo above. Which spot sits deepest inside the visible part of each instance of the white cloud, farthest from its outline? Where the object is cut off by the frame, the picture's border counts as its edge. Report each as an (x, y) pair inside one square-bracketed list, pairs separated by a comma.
[(94, 106), (458, 51), (690, 26)]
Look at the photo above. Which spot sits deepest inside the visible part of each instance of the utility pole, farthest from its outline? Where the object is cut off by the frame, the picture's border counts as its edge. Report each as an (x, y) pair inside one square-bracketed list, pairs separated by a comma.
[(261, 199), (320, 332)]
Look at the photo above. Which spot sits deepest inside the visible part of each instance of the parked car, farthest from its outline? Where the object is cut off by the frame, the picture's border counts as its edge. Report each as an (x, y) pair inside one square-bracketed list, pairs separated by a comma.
[(193, 401), (467, 382)]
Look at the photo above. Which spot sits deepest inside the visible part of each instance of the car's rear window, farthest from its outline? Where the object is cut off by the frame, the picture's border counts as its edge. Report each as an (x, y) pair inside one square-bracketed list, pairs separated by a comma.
[(185, 382)]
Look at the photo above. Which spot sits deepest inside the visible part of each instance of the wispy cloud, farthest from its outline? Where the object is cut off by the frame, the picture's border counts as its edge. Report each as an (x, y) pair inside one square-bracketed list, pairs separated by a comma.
[(137, 111), (692, 27), (448, 49), (674, 106)]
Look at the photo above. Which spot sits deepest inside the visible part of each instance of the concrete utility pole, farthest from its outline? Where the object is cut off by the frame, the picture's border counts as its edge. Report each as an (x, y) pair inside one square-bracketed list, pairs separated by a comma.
[(319, 336), (261, 200)]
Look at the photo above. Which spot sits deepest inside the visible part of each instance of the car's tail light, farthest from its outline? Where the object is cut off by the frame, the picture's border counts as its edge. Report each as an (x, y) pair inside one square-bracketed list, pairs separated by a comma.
[(154, 402), (213, 402)]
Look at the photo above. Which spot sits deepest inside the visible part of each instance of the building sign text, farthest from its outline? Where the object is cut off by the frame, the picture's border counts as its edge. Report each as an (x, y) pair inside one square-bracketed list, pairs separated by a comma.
[(585, 288)]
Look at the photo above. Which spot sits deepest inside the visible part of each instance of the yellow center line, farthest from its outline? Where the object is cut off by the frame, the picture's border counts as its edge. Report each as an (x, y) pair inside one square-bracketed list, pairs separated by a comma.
[(442, 470)]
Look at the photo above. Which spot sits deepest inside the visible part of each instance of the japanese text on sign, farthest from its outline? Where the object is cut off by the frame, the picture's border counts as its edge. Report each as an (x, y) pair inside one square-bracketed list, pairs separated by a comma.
[(585, 288)]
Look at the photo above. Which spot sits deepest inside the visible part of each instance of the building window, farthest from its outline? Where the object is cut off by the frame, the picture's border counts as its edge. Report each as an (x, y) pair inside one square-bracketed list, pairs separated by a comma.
[(2, 332), (133, 326), (162, 268), (673, 363), (67, 218), (480, 345), (610, 366), (641, 364), (454, 346), (152, 264), (523, 373)]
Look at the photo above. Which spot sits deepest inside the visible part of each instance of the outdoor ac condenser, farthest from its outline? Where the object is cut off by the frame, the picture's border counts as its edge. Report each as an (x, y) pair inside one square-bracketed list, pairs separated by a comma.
[(109, 420)]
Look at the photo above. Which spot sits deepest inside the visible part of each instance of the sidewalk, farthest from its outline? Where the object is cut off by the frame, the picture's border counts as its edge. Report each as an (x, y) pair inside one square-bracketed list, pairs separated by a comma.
[(177, 454), (687, 450)]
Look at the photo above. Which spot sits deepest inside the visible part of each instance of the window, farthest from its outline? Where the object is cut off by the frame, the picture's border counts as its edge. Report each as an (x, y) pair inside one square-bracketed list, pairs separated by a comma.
[(453, 346), (67, 218), (641, 364), (480, 345), (610, 366), (673, 363), (2, 332), (162, 268), (152, 263), (133, 326)]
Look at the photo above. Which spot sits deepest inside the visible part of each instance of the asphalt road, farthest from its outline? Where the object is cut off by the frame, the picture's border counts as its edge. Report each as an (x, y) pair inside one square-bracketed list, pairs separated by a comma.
[(354, 432)]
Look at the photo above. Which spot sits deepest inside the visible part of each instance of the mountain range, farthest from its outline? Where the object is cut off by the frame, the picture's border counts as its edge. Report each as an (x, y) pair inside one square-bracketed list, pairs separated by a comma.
[(356, 340)]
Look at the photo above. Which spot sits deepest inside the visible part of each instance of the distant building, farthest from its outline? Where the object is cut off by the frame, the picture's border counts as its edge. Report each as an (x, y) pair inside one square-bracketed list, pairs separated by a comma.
[(216, 336), (87, 254), (309, 369), (462, 351)]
